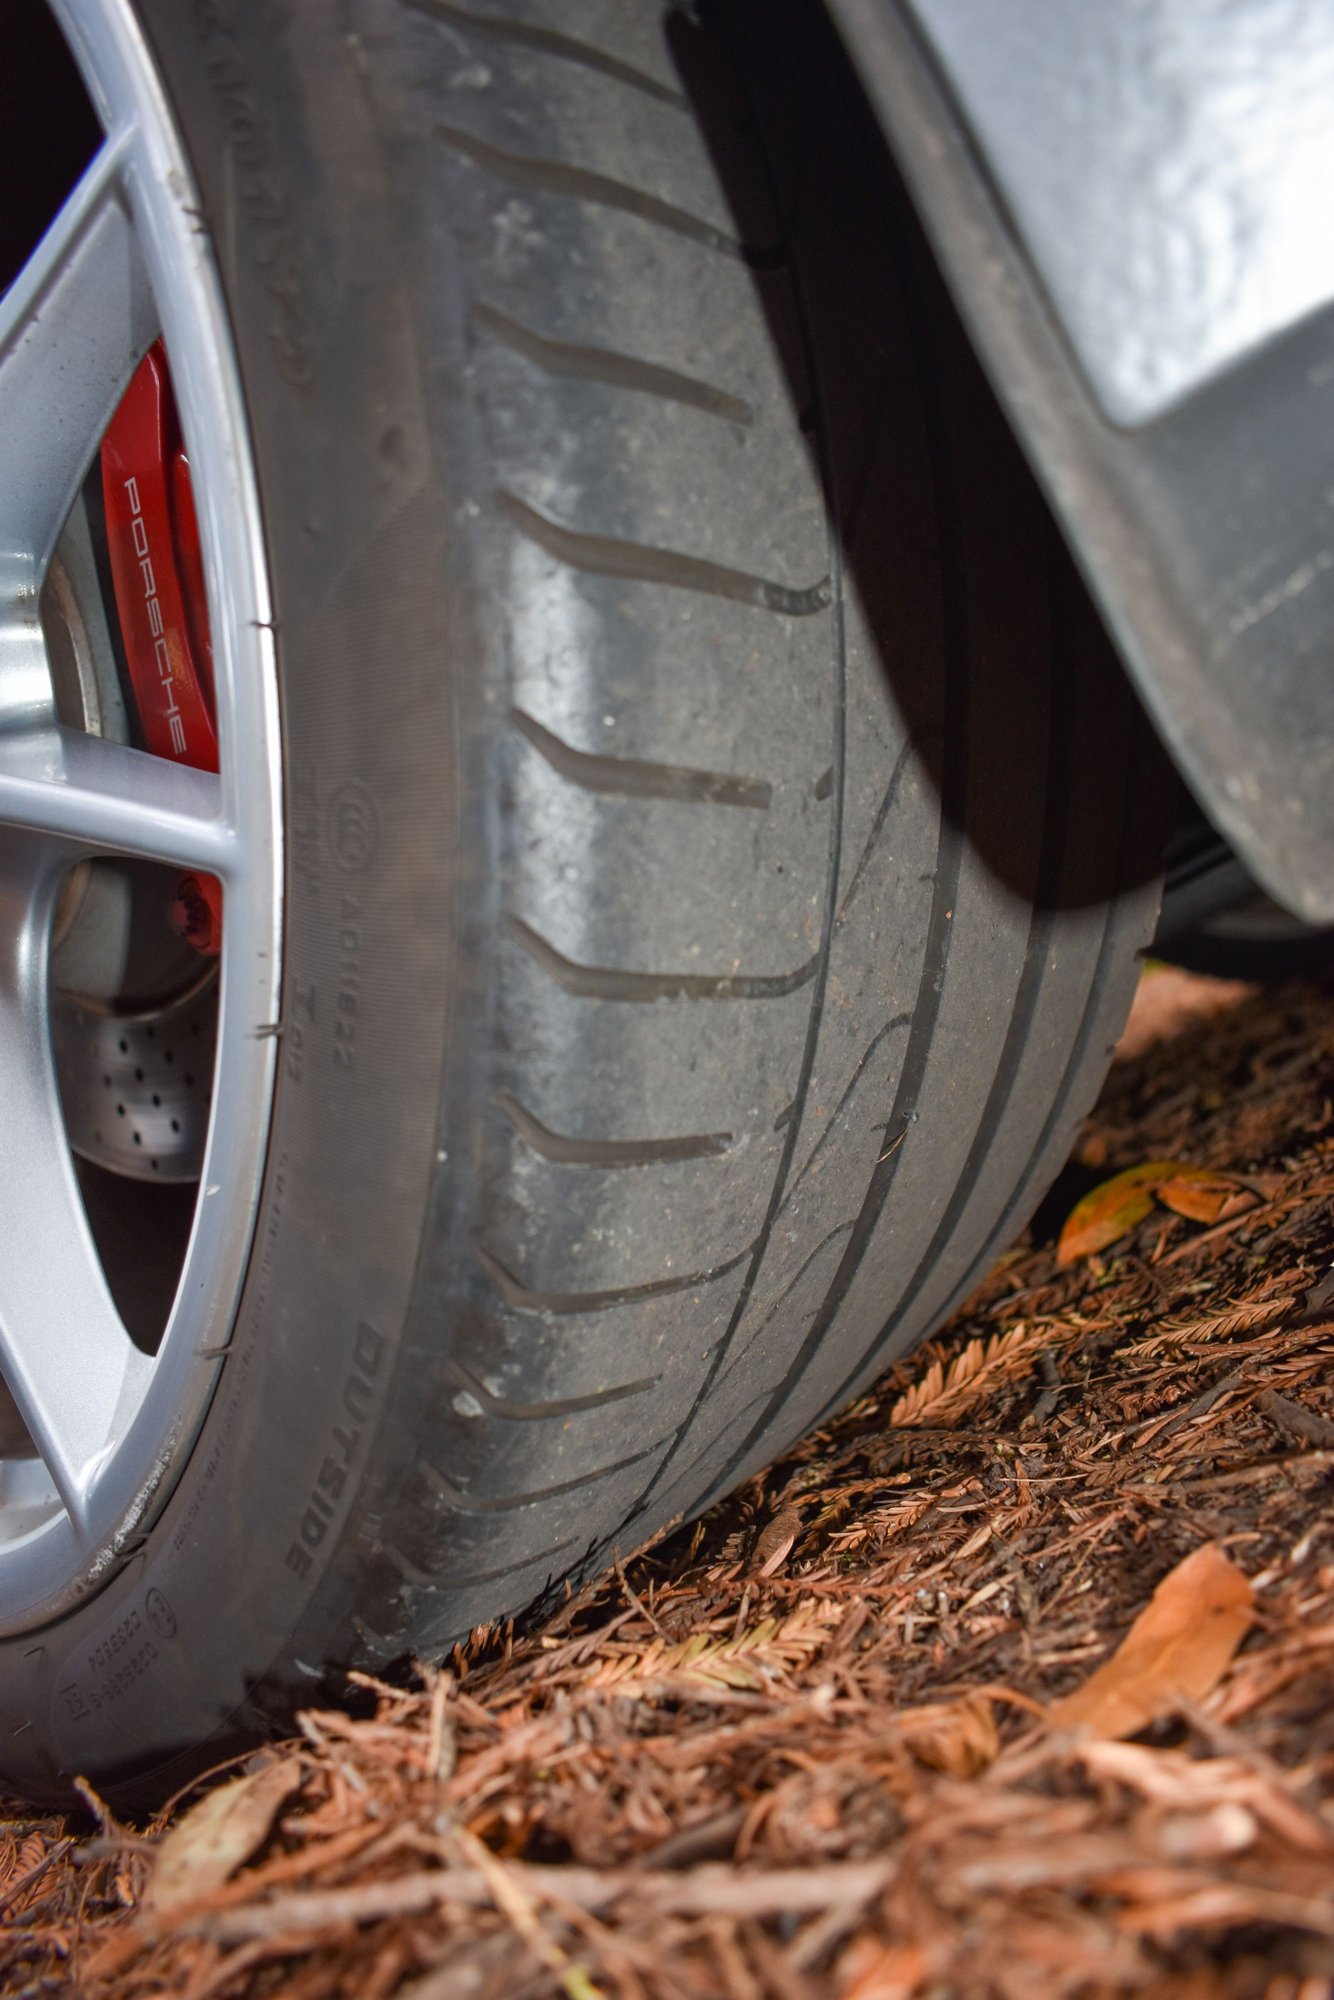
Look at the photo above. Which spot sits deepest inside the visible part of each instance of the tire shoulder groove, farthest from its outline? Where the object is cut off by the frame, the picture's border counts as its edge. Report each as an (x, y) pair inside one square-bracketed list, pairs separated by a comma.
[(559, 177), (531, 1299), (547, 41), (605, 982), (461, 1502), (642, 562), (563, 1150), (610, 368), (639, 778), (506, 1411)]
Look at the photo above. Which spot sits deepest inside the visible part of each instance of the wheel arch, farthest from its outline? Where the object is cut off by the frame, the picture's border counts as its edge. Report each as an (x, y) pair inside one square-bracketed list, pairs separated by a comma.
[(1180, 440)]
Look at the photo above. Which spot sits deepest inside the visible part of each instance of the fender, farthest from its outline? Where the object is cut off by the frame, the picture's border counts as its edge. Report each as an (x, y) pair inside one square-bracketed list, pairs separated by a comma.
[(1129, 204)]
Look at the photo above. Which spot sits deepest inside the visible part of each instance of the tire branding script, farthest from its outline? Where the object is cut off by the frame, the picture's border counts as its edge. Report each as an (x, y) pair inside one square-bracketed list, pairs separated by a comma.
[(256, 187), (345, 1441)]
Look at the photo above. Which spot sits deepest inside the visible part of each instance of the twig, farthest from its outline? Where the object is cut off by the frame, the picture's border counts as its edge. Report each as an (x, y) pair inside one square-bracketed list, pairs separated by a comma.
[(1295, 1421), (697, 1892), (512, 1902), (633, 1596), (1051, 1395), (707, 1840)]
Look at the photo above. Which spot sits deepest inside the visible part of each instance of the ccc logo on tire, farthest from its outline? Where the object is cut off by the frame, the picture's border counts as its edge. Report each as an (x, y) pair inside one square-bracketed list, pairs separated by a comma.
[(354, 827)]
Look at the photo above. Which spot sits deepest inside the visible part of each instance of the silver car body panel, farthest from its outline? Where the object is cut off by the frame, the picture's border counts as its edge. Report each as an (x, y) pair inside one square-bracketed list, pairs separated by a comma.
[(1128, 202)]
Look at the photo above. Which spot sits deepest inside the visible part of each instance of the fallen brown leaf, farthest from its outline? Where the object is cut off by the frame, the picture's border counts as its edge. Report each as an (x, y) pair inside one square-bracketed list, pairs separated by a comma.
[(218, 1834), (1179, 1644), (775, 1541), (1117, 1206), (1205, 1197)]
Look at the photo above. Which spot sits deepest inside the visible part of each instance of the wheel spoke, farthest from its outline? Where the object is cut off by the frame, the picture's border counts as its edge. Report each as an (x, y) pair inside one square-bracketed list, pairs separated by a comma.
[(73, 325), (66, 1357), (96, 795), (124, 263)]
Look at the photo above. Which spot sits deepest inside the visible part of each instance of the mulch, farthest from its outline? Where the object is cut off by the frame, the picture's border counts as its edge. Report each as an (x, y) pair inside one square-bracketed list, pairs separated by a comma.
[(807, 1747)]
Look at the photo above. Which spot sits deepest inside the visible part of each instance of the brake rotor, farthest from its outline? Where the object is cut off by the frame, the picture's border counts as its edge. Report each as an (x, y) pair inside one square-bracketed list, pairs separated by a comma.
[(135, 1087)]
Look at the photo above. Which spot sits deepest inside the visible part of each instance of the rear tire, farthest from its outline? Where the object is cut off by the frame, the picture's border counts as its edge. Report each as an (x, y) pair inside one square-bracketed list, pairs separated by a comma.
[(719, 839)]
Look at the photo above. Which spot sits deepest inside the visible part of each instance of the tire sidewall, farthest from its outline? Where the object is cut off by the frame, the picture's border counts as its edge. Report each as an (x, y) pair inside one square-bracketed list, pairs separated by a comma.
[(294, 193)]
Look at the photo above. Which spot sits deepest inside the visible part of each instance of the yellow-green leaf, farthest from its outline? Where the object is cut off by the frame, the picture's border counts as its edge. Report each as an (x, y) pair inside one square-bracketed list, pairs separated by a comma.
[(1112, 1210)]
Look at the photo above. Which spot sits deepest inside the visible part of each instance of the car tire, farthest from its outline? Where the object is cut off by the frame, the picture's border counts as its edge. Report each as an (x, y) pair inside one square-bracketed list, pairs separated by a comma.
[(718, 837)]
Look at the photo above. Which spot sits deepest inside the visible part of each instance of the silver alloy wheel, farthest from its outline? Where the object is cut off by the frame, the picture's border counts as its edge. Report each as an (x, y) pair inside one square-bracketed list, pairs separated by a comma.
[(123, 260)]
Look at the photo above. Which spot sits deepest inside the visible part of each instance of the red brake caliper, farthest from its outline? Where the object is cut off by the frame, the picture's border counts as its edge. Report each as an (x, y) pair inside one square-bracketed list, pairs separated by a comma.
[(158, 575)]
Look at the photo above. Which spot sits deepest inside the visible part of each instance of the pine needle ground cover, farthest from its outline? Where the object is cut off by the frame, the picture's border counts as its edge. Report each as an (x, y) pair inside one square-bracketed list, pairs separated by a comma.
[(1017, 1680)]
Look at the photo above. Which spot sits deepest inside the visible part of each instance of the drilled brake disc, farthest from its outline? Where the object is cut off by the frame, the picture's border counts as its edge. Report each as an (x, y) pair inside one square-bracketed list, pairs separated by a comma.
[(135, 1087)]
